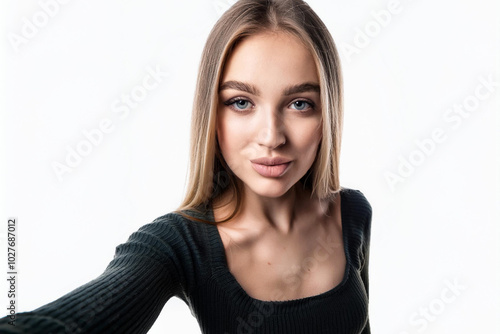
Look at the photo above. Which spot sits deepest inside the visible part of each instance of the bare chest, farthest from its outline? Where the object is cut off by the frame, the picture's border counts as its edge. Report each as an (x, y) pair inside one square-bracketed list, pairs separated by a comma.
[(285, 269)]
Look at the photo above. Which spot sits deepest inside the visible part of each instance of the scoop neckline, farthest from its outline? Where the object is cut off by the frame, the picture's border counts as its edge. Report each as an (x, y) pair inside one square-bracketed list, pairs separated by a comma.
[(221, 267)]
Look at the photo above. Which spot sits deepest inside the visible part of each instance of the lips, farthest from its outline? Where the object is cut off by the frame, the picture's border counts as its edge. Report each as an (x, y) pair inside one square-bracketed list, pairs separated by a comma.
[(271, 166), (271, 171), (271, 161)]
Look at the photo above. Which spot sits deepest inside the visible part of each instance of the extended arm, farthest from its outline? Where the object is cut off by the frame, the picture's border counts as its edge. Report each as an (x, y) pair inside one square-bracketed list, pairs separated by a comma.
[(126, 298)]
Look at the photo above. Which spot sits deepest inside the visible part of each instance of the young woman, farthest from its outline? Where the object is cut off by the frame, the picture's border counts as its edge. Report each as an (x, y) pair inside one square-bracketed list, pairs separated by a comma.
[(266, 240)]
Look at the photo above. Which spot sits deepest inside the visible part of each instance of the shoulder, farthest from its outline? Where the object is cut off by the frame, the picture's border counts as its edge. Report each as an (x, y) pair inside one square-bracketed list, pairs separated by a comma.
[(168, 238), (171, 223), (173, 231), (357, 202), (160, 240), (175, 241), (359, 210)]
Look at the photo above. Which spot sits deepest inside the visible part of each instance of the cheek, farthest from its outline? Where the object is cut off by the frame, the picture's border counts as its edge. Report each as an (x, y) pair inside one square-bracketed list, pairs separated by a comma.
[(309, 136), (319, 134), (221, 129), (229, 134)]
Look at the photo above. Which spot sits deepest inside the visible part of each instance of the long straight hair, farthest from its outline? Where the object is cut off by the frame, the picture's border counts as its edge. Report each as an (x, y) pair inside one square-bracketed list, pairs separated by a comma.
[(209, 175)]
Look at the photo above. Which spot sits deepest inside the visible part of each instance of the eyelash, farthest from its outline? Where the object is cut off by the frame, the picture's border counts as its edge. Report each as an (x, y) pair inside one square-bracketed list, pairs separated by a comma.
[(232, 101)]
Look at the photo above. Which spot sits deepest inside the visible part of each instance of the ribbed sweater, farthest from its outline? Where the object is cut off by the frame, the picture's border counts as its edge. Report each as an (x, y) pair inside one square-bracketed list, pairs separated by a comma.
[(175, 256)]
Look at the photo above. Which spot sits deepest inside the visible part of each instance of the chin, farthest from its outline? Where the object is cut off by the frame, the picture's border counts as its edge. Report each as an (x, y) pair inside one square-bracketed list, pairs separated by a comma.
[(273, 188)]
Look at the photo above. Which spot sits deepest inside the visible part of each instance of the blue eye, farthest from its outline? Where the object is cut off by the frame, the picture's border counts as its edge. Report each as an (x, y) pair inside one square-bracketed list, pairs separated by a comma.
[(241, 104), (301, 105), (238, 104)]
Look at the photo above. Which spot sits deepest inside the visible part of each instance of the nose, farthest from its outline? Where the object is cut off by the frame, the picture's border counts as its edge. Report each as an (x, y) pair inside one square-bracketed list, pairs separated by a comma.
[(271, 131)]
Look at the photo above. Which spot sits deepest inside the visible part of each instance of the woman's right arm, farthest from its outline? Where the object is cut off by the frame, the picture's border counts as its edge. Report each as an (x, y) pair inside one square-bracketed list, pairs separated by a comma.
[(126, 298)]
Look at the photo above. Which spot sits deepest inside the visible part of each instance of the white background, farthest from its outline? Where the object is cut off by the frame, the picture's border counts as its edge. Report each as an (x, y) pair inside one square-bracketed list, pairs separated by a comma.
[(439, 222)]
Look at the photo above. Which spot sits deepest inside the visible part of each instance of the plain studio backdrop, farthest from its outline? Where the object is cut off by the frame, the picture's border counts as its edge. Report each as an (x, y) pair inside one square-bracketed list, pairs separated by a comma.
[(96, 108)]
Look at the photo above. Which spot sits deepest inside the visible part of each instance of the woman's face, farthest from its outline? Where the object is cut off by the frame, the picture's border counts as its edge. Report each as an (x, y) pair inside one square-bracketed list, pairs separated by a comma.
[(269, 106)]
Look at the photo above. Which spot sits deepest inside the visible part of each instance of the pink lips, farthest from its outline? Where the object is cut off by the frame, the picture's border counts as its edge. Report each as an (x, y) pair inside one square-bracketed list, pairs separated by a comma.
[(270, 171), (270, 161), (270, 167)]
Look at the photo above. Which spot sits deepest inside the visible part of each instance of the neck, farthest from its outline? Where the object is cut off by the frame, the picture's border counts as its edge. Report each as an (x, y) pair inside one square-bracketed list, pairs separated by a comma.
[(280, 214)]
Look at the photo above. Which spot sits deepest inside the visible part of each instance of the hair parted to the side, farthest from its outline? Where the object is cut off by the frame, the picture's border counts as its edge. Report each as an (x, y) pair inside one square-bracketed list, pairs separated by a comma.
[(209, 174)]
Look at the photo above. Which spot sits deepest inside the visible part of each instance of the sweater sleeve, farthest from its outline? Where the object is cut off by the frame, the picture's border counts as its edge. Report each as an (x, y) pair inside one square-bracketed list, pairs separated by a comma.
[(126, 298), (366, 256)]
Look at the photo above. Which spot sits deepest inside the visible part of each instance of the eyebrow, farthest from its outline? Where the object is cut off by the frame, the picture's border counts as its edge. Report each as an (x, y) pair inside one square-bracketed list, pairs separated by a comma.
[(245, 87)]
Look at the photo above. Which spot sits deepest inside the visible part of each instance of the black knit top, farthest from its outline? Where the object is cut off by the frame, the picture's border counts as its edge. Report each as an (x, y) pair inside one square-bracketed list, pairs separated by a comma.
[(174, 256)]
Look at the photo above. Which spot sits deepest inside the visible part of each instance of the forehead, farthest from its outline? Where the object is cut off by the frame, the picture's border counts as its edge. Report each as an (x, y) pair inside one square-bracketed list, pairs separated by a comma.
[(275, 56)]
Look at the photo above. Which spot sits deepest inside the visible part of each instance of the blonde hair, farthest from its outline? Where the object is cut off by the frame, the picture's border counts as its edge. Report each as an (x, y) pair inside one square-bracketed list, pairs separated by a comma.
[(209, 174)]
